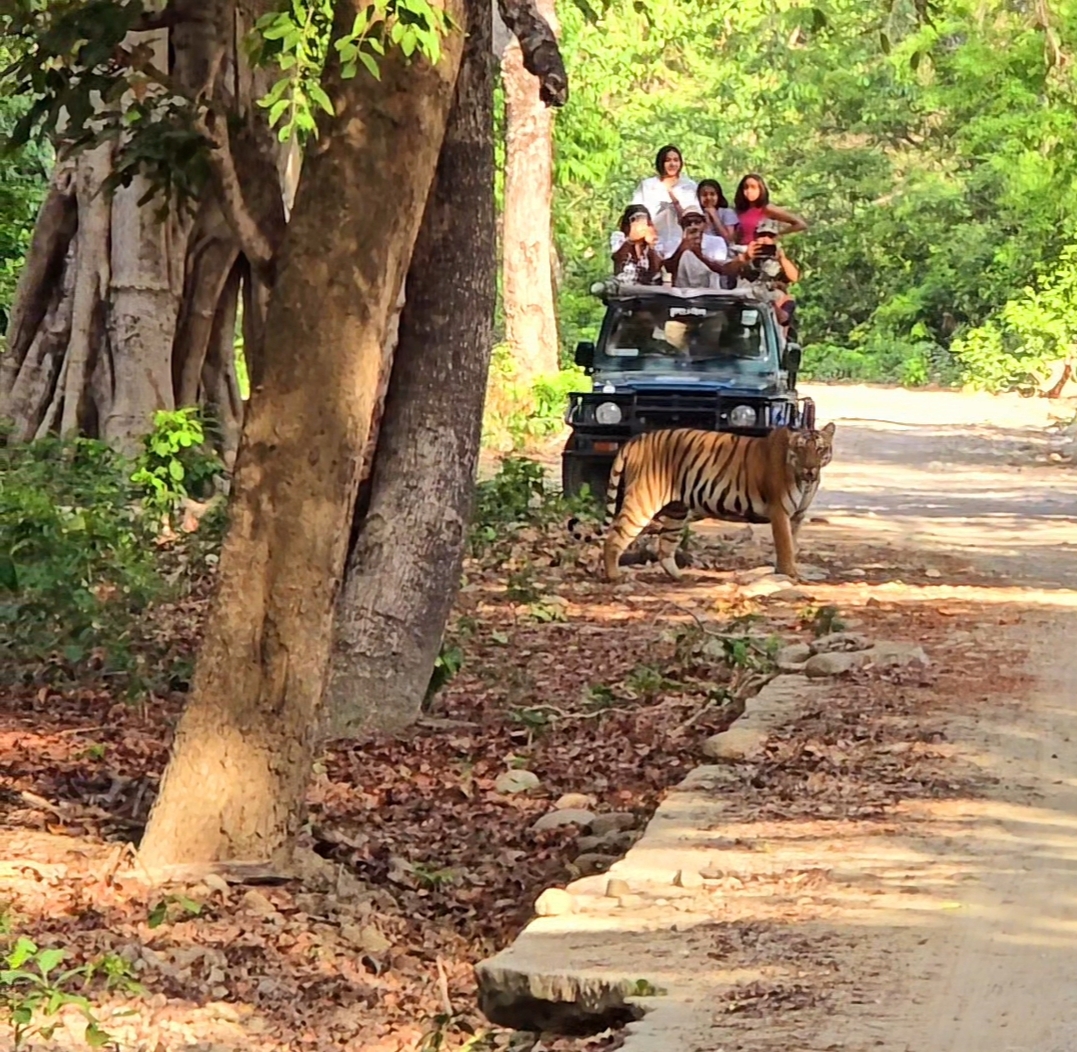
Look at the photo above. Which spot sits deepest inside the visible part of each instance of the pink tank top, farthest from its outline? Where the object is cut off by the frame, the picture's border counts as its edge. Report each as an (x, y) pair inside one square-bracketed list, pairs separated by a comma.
[(749, 220)]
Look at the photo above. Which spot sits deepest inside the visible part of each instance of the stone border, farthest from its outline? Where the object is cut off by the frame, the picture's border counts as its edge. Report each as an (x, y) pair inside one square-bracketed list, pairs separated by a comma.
[(612, 946)]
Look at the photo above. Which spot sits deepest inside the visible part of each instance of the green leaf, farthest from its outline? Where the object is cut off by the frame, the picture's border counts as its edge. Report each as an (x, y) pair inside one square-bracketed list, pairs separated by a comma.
[(158, 914), (9, 578), (21, 952), (176, 470), (95, 1036), (317, 93), (371, 65), (50, 958)]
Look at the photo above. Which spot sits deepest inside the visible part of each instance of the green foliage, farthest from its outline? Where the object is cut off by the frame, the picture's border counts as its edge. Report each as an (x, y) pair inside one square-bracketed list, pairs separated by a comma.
[(175, 461), (1037, 326), (33, 990), (76, 558), (75, 66), (449, 661), (518, 414), (931, 148)]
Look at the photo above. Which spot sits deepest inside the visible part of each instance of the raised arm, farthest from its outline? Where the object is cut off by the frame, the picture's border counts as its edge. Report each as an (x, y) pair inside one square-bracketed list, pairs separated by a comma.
[(796, 223)]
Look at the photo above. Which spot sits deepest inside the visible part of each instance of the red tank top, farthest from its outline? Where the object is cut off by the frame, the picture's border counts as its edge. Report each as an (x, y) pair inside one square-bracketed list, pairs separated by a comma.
[(749, 220)]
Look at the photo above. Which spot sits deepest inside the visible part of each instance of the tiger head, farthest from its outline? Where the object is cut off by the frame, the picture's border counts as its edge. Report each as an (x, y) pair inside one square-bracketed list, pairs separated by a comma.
[(809, 452)]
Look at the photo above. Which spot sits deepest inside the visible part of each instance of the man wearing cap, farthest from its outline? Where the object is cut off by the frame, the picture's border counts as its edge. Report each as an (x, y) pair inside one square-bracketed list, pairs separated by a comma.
[(701, 260)]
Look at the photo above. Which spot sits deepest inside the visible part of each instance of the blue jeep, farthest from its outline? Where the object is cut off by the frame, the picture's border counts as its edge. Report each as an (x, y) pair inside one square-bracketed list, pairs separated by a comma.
[(672, 357)]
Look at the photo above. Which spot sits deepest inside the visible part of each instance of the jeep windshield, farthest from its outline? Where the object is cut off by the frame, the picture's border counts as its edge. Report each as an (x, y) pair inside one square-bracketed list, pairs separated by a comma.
[(721, 340)]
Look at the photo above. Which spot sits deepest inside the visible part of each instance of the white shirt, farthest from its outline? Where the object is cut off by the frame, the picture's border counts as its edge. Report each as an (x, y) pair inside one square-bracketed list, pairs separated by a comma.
[(655, 197), (693, 273)]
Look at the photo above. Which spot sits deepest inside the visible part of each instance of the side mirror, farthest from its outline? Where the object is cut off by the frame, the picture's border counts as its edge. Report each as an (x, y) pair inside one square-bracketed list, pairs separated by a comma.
[(585, 354)]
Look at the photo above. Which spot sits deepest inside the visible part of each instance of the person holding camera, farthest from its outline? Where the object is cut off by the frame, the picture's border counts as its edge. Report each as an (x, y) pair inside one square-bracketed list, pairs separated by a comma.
[(636, 260), (701, 259), (767, 267)]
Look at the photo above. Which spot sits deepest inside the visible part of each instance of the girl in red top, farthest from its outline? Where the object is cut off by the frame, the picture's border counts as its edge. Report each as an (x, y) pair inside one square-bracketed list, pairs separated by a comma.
[(752, 205)]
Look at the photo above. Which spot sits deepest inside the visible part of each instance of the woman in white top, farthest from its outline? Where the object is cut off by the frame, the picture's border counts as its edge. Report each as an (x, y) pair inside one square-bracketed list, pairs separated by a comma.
[(666, 195)]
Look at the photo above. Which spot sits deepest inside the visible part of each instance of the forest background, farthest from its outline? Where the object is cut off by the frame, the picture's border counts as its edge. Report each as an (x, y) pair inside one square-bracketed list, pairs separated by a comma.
[(931, 147)]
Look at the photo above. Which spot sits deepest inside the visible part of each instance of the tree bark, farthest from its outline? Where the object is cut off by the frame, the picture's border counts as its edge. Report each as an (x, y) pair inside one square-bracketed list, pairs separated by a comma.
[(404, 568), (527, 287), (241, 760), (116, 307)]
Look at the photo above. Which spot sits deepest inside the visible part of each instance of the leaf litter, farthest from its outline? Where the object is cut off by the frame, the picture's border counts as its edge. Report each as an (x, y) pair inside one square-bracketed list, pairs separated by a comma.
[(601, 691)]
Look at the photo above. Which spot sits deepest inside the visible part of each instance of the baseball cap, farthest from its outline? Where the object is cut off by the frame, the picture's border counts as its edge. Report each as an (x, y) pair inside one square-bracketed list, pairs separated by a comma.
[(692, 213), (768, 226)]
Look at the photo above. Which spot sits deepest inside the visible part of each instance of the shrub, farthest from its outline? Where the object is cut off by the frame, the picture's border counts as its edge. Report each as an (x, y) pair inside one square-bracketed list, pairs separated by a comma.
[(76, 557)]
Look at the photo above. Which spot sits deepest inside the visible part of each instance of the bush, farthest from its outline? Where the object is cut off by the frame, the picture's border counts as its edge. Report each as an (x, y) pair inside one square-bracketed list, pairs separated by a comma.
[(76, 558), (175, 462), (516, 415)]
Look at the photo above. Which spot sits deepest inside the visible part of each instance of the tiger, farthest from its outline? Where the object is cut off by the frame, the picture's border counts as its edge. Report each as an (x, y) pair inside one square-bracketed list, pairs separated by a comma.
[(667, 476)]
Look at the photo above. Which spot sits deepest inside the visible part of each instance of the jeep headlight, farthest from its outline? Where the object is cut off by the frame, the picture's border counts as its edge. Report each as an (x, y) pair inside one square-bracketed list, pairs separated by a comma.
[(608, 413), (742, 416)]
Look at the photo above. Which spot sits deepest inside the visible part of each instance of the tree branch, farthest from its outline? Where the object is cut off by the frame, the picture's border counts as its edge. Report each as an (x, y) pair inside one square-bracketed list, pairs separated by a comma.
[(542, 56), (258, 248)]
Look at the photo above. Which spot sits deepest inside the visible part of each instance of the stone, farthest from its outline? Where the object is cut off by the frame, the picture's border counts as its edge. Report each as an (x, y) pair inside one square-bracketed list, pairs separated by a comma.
[(516, 782), (365, 938), (615, 888), (836, 641), (735, 744), (812, 573), (932, 572), (630, 902), (898, 655), (616, 842), (612, 822), (790, 595), (836, 664), (688, 878), (766, 586), (554, 902), (592, 862), (573, 802), (568, 817), (792, 657), (255, 902)]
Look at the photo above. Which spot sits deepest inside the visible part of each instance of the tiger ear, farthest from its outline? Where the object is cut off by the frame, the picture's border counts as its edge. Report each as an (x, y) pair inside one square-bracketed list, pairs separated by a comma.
[(828, 430)]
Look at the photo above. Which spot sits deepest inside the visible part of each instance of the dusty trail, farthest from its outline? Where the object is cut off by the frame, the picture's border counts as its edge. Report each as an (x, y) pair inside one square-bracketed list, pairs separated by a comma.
[(977, 950)]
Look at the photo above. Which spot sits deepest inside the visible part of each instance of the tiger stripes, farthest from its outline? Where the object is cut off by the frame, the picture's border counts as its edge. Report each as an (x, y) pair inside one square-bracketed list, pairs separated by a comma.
[(667, 476)]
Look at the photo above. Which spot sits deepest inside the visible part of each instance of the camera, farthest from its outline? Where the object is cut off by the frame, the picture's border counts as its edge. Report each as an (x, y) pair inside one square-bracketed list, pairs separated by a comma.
[(766, 251)]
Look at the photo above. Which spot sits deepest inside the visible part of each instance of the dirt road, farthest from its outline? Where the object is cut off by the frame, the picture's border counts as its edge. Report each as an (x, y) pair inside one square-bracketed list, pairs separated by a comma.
[(956, 929)]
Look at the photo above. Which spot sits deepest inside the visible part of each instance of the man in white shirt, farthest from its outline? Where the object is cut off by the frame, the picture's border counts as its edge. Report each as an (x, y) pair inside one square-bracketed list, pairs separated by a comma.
[(701, 260)]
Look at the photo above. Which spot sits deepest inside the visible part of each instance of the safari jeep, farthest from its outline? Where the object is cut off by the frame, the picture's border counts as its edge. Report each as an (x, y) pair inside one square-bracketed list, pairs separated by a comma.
[(672, 357)]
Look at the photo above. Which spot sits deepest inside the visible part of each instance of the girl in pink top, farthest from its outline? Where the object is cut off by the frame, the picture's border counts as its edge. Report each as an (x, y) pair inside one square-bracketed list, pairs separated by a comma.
[(752, 205)]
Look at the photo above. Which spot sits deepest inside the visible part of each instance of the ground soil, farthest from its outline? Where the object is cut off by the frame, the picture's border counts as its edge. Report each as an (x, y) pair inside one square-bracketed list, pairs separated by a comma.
[(919, 828)]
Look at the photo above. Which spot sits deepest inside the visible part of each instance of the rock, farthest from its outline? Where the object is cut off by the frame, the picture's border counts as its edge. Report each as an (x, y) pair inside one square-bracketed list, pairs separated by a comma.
[(836, 664), (836, 641), (615, 888), (568, 817), (591, 863), (365, 938), (255, 902), (898, 655), (554, 902), (616, 842), (573, 802), (812, 573), (688, 878), (613, 822), (766, 586), (630, 902), (855, 572), (932, 572), (792, 658), (735, 744), (790, 595), (516, 782)]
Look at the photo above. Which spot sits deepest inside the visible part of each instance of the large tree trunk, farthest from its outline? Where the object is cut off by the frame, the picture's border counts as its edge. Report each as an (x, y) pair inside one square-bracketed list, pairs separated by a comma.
[(404, 567), (117, 308), (527, 287), (241, 760)]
